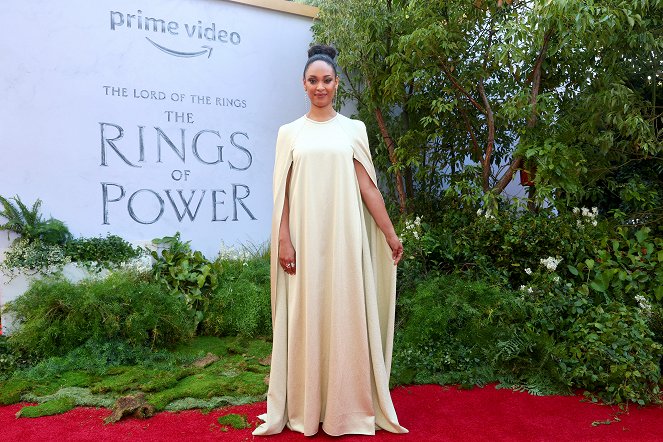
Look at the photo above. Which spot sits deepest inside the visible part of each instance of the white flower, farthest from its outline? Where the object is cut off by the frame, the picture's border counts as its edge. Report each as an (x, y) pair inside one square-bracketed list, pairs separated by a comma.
[(530, 290), (528, 271), (479, 212), (643, 304), (594, 223), (522, 287), (595, 210), (586, 212), (551, 263), (579, 223), (416, 234), (556, 279), (417, 221), (576, 210)]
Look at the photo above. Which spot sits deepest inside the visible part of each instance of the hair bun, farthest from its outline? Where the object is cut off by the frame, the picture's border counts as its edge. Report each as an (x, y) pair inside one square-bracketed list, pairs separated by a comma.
[(322, 49)]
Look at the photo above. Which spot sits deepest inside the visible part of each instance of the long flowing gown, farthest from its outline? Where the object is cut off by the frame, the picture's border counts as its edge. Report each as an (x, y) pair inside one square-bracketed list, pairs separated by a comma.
[(333, 320)]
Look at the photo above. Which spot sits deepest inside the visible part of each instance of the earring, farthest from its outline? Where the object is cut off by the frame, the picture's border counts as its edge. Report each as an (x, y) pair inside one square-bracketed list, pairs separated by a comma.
[(334, 101)]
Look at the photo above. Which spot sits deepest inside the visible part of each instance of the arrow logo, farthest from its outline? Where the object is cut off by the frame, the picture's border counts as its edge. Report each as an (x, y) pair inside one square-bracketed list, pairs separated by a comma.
[(207, 50)]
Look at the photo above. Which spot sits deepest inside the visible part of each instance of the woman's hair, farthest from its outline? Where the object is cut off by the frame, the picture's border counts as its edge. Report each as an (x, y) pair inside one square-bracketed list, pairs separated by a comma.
[(321, 52)]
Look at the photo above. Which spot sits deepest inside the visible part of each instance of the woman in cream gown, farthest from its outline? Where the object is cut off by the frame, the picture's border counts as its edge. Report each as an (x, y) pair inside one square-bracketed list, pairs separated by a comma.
[(333, 273)]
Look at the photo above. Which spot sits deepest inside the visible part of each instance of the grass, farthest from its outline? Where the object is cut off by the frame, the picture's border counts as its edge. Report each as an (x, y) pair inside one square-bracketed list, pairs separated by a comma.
[(169, 381)]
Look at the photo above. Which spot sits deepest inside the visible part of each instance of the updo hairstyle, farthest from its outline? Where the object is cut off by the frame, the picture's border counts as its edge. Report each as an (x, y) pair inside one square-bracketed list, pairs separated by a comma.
[(321, 52)]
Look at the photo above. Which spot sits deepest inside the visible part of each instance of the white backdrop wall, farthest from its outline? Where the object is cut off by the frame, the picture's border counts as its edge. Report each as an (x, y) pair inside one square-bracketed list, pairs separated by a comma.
[(146, 118)]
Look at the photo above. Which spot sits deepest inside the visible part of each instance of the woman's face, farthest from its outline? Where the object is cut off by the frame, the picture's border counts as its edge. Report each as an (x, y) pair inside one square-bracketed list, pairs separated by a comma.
[(320, 83)]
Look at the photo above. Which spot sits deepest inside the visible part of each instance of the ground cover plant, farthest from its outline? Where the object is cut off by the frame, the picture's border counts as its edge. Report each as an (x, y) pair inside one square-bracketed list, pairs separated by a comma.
[(204, 373)]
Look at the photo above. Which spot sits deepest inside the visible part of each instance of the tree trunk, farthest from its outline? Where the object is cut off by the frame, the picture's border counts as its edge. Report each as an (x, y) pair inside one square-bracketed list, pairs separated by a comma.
[(391, 149), (535, 78)]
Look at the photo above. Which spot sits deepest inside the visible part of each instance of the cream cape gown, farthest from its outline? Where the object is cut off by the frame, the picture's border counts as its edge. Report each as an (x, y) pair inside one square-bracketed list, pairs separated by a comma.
[(334, 320)]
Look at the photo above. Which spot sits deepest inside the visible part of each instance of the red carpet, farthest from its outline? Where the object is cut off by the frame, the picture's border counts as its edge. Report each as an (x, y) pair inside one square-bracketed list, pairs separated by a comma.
[(430, 412)]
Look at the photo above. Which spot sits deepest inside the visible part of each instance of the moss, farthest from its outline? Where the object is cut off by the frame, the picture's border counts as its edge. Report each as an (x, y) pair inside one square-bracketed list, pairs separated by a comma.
[(56, 406), (65, 380), (206, 405), (139, 378), (130, 378), (209, 385), (237, 378), (237, 421), (11, 390), (226, 346), (82, 396), (203, 345), (165, 380)]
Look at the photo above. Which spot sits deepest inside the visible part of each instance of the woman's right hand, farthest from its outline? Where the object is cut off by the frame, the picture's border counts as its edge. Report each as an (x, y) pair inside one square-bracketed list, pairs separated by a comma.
[(287, 257)]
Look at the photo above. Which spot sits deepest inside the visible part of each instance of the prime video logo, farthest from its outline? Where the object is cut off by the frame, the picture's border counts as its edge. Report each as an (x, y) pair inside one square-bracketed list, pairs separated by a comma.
[(139, 22)]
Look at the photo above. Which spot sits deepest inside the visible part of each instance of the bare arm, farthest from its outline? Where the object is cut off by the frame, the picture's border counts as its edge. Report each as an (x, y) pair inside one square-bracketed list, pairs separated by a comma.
[(286, 249), (375, 204)]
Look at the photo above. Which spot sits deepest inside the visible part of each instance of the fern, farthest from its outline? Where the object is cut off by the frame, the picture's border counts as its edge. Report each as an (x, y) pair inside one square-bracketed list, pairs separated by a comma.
[(28, 223)]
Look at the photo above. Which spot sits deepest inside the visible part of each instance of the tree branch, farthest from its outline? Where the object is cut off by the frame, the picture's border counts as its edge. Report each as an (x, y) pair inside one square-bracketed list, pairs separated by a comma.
[(392, 157), (490, 120), (490, 143), (460, 88), (535, 78)]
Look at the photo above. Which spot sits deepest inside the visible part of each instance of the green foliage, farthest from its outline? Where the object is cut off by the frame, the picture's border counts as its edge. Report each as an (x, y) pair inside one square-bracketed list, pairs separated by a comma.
[(188, 275), (626, 266), (241, 305), (56, 316), (236, 421), (108, 251), (33, 257), (96, 374), (609, 351), (56, 406), (516, 84), (543, 341), (28, 222), (453, 331), (10, 359), (500, 244)]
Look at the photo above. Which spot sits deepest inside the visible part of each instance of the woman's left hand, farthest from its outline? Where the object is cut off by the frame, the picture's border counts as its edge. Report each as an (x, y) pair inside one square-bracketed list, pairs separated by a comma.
[(396, 248)]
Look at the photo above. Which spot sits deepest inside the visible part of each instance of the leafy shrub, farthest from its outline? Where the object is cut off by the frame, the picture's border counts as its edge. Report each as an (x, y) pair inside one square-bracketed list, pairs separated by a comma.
[(9, 359), (241, 305), (501, 246), (187, 275), (625, 266), (28, 223), (452, 331), (552, 340), (110, 250), (609, 351), (56, 316)]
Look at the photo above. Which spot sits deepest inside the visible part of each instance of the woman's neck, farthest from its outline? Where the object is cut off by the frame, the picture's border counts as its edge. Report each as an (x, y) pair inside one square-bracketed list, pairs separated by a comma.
[(321, 114)]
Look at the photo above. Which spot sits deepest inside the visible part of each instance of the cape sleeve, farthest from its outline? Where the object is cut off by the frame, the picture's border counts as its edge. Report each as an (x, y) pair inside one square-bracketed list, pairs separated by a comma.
[(362, 152), (282, 162), (276, 418), (381, 262)]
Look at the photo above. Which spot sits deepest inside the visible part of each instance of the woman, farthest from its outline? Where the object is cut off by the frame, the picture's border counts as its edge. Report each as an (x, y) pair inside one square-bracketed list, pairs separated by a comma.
[(333, 274)]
